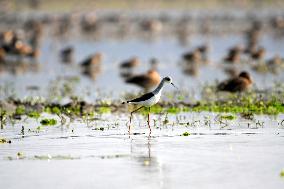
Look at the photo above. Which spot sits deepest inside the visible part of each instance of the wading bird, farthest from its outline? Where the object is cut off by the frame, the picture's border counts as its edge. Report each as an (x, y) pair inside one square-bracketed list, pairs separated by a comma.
[(149, 99)]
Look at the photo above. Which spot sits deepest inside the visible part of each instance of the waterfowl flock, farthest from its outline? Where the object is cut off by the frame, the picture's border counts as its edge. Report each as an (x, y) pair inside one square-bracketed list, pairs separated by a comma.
[(21, 47)]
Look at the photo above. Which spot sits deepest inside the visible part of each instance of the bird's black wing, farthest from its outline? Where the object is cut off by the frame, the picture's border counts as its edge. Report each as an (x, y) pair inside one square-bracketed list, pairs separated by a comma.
[(143, 97)]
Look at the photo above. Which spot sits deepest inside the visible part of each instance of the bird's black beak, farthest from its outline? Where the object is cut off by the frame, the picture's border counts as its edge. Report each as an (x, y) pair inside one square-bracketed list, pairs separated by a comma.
[(174, 86)]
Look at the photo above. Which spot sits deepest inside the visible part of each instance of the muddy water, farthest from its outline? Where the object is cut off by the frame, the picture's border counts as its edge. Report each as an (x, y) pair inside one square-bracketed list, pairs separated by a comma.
[(79, 155)]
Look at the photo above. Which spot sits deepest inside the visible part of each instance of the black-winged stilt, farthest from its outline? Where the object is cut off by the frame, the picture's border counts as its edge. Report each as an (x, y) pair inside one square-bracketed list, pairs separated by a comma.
[(149, 99)]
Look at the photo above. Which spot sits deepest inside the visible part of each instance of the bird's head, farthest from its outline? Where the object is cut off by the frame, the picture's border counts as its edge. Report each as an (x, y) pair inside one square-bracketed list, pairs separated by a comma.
[(169, 80), (246, 76)]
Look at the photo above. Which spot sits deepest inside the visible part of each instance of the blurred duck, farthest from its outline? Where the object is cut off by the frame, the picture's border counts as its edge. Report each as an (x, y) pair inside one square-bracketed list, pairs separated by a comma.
[(152, 25), (146, 81), (278, 24), (2, 55), (14, 45), (253, 37), (92, 60), (154, 62), (92, 65), (237, 84), (231, 72), (191, 70), (234, 55), (259, 54), (275, 61), (130, 64), (275, 65), (192, 57), (204, 50), (89, 23), (66, 54)]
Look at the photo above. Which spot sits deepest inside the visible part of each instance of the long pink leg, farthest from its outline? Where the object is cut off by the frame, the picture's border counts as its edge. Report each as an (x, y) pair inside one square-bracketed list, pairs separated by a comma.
[(131, 118)]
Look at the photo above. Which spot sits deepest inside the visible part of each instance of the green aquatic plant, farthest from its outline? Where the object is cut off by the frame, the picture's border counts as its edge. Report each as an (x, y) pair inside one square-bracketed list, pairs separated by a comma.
[(20, 110), (282, 173), (228, 117), (34, 114), (247, 115), (38, 128), (20, 155), (185, 134), (174, 110), (55, 110), (4, 140), (48, 122), (100, 129), (104, 109)]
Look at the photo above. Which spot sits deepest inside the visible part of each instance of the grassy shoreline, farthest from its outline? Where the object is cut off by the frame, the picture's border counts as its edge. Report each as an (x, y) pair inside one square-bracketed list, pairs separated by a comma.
[(246, 105)]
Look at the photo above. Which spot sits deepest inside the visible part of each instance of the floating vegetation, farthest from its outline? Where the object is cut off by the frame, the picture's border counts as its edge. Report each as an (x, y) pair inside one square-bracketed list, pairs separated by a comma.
[(20, 110), (282, 173), (104, 109), (246, 105), (185, 134), (228, 117), (113, 156), (99, 129), (247, 115), (3, 140), (56, 157), (34, 114), (48, 122), (21, 156)]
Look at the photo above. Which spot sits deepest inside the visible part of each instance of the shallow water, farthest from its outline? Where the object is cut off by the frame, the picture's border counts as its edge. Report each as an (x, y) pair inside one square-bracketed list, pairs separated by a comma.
[(100, 154), (77, 155), (167, 50)]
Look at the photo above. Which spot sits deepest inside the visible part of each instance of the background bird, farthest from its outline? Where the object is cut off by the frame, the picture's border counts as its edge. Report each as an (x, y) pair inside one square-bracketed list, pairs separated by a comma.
[(145, 81), (237, 84)]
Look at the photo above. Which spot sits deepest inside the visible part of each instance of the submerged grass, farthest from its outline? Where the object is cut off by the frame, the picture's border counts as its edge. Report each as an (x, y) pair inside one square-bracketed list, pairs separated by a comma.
[(48, 122)]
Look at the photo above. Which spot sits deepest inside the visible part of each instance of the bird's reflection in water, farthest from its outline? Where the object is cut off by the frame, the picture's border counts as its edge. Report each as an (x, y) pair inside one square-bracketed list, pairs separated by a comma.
[(141, 152), (148, 164)]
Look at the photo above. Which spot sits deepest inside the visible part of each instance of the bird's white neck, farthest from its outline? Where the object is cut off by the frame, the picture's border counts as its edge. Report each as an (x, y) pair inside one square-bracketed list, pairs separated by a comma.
[(159, 88)]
